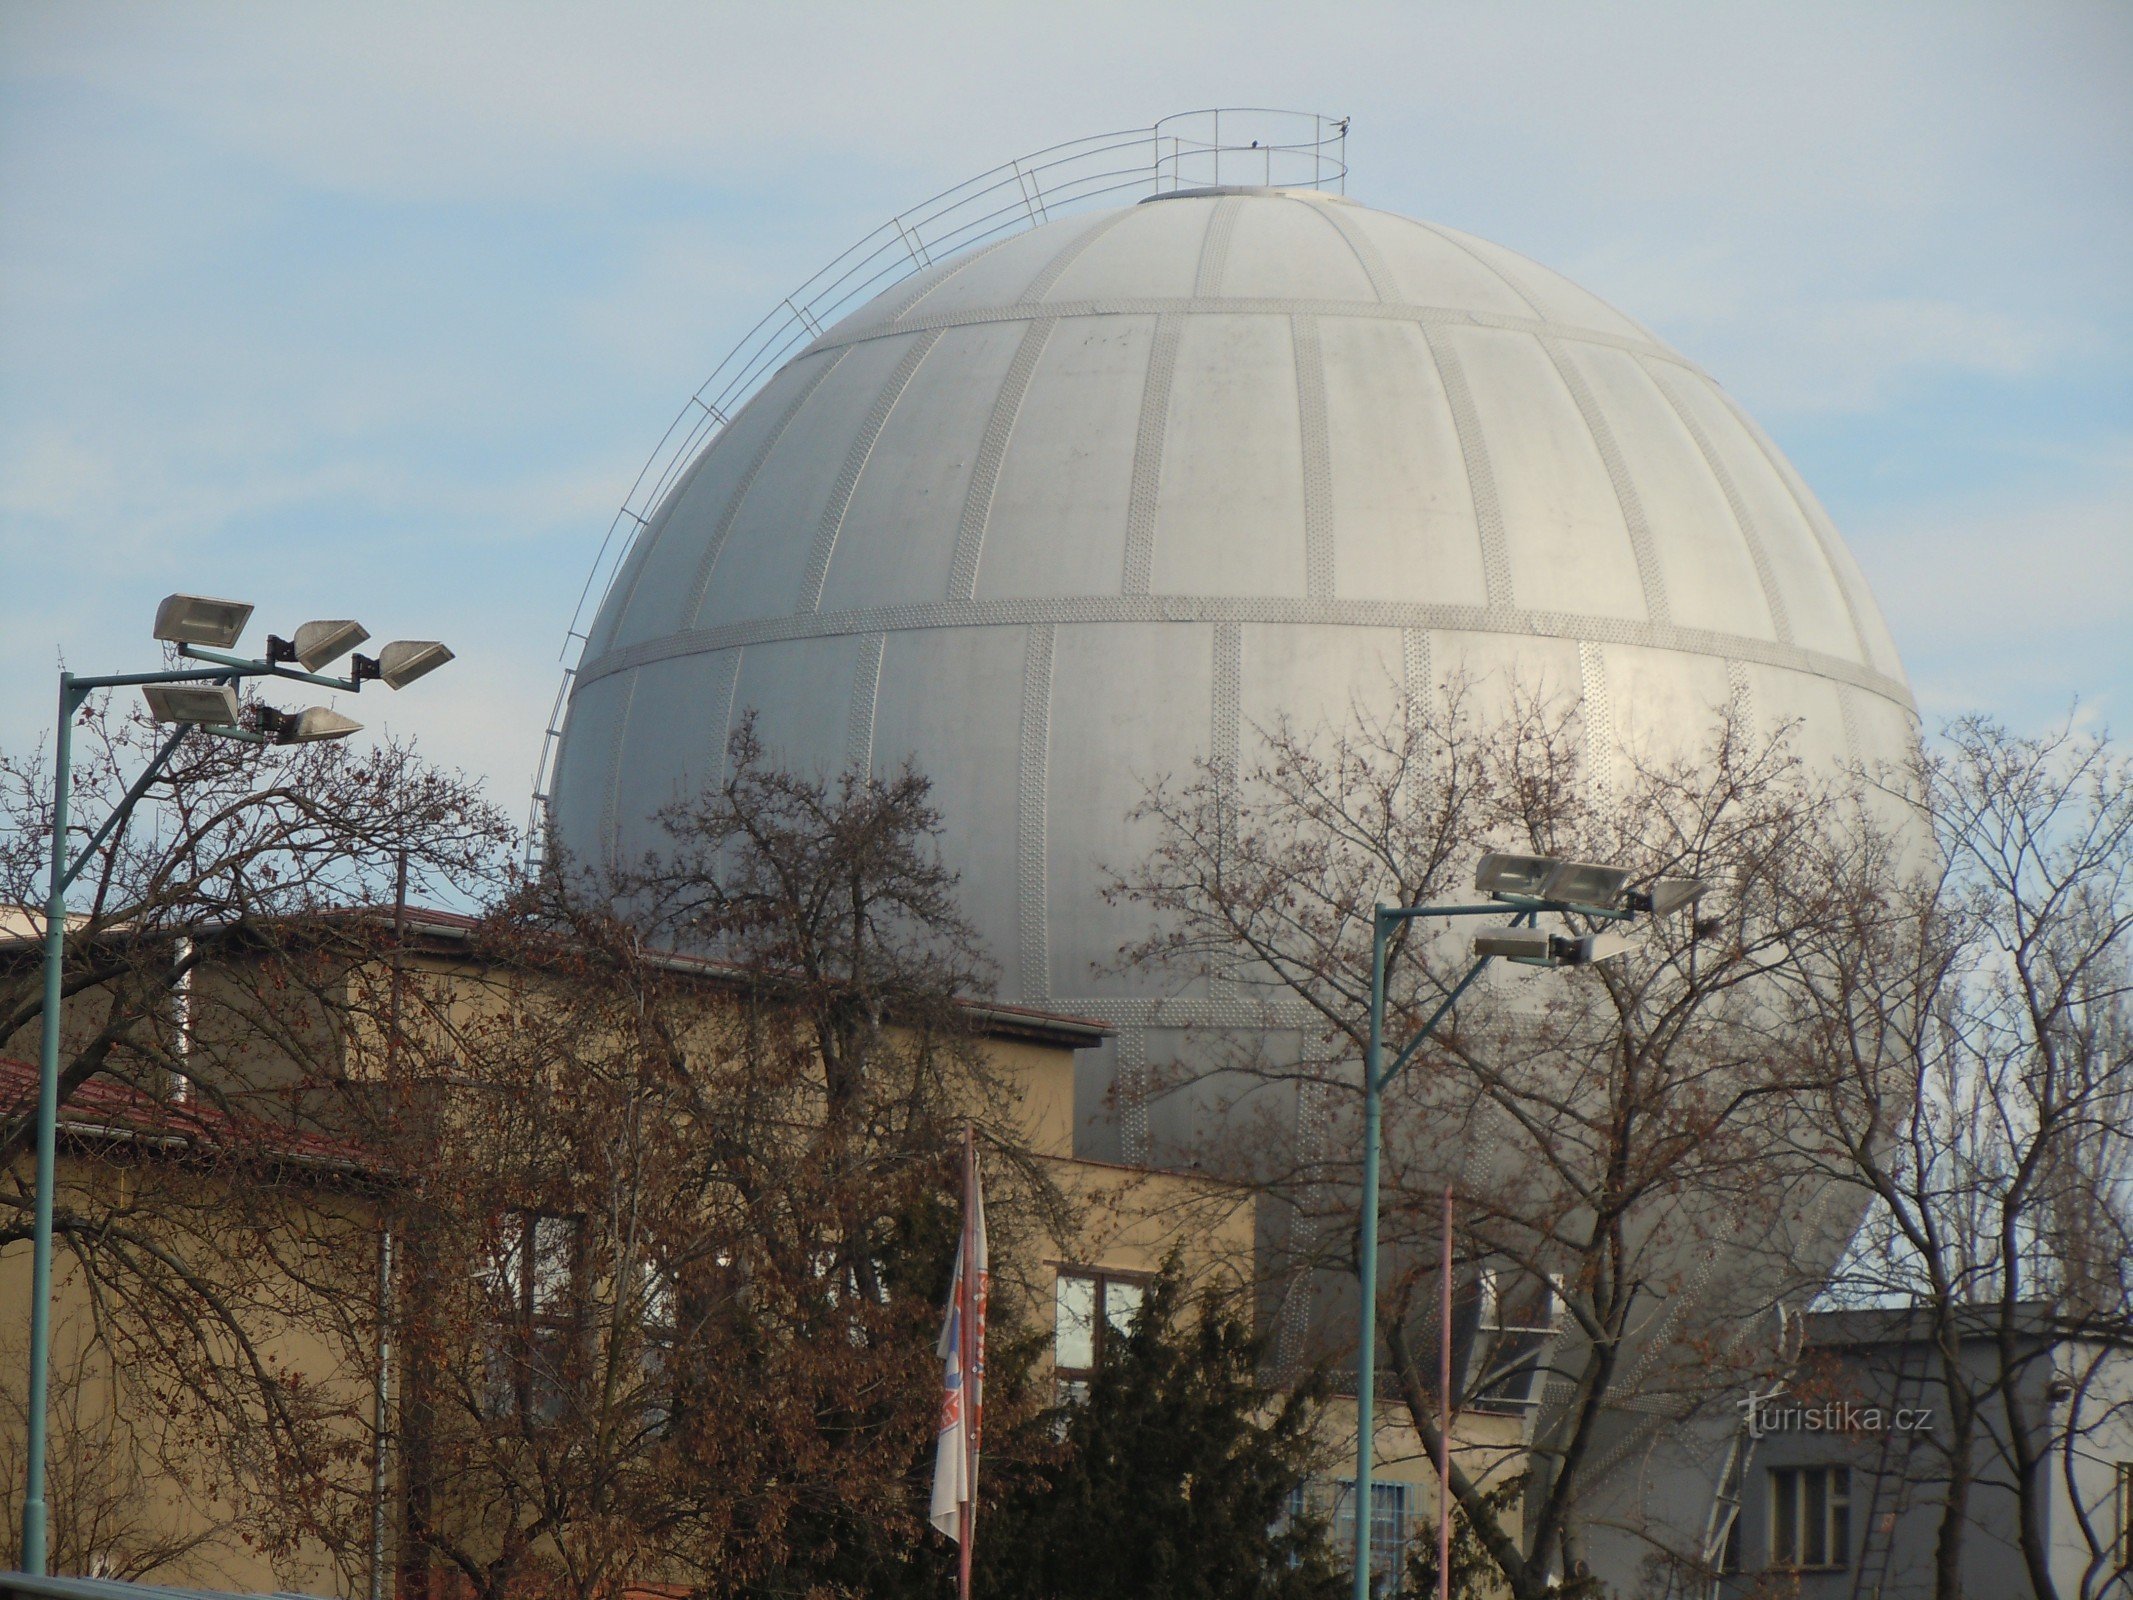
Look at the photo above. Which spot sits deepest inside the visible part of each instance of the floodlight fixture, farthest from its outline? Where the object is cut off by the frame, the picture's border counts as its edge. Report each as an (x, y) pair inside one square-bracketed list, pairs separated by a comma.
[(1668, 895), (1601, 947), (1523, 876), (305, 727), (1536, 947), (208, 705), (200, 619), (318, 643), (402, 662), (1514, 944), (1587, 883)]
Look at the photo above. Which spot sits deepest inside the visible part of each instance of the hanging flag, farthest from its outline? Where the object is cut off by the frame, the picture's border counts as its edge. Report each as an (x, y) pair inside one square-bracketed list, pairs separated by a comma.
[(962, 1350)]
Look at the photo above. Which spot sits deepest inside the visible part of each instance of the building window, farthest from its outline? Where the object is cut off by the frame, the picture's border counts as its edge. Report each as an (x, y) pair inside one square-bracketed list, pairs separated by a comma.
[(1390, 1520), (533, 1287), (1810, 1516), (1517, 1323), (1090, 1310), (658, 1311)]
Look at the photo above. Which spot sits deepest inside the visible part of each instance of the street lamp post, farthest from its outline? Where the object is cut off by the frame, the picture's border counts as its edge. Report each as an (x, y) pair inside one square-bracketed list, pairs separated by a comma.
[(205, 697), (1526, 886)]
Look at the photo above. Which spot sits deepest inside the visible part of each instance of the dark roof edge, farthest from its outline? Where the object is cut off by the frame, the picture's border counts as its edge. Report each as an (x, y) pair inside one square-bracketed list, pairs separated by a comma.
[(997, 1019)]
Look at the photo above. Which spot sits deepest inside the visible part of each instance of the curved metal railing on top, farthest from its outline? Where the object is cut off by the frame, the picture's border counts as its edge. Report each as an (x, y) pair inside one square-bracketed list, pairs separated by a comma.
[(1186, 150)]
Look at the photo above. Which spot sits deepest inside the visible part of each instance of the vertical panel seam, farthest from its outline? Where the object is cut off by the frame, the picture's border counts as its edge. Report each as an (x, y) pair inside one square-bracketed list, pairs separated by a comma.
[(651, 535), (610, 819), (1317, 457), (1365, 250), (1148, 454), (1480, 475), (1743, 519), (1214, 247), (1740, 698), (866, 687), (960, 266), (1798, 493), (1032, 781), (1598, 717), (1055, 269), (992, 451), (1649, 576), (1224, 744), (721, 701), (692, 606), (1414, 665), (1133, 1095), (855, 461), (1486, 265)]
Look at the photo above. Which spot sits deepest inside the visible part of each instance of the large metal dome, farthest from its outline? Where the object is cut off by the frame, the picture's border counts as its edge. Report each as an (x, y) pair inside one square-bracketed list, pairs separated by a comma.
[(1067, 512), (1063, 513)]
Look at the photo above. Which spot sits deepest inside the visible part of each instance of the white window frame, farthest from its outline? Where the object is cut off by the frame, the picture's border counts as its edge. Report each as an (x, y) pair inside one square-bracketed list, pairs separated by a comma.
[(1833, 1536)]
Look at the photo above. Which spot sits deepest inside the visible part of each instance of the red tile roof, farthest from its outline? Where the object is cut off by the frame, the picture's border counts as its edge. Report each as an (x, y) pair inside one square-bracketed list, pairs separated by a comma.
[(105, 1109)]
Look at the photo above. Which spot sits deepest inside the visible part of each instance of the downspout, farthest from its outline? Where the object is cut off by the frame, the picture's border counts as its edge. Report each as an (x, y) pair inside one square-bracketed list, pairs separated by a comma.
[(380, 1416)]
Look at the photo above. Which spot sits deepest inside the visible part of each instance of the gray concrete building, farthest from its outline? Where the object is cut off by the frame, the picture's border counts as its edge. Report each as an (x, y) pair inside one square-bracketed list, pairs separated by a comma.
[(1848, 1475)]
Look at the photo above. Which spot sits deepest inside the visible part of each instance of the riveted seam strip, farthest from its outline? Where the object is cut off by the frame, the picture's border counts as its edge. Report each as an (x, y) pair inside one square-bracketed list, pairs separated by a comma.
[(1032, 781), (992, 450), (1148, 455), (1743, 519), (1365, 250), (1214, 248), (1486, 265), (1802, 500), (1597, 714), (1480, 476), (1055, 269), (610, 803), (1317, 457), (1649, 575), (1184, 608), (699, 586), (1133, 1096), (859, 722), (855, 461), (1256, 305), (724, 684)]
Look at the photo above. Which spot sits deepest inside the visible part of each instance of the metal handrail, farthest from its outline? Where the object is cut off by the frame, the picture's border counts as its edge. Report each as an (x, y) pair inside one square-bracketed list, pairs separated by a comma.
[(1266, 145)]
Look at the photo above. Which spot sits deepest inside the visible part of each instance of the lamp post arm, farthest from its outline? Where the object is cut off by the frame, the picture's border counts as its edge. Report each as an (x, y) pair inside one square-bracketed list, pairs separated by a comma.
[(124, 809), (1444, 1007), (82, 688), (247, 667)]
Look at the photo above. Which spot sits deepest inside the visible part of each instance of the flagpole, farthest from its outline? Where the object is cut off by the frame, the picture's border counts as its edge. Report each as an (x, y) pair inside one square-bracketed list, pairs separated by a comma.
[(1444, 1426), (966, 1336)]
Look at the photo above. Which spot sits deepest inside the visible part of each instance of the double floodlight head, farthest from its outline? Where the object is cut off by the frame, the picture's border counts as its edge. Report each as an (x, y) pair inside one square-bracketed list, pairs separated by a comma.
[(214, 706), (1583, 885), (1543, 878), (317, 643), (203, 705), (402, 662), (197, 619), (1537, 947)]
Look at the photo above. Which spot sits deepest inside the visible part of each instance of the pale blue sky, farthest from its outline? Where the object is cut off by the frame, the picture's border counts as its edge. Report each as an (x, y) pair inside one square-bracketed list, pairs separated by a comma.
[(375, 310)]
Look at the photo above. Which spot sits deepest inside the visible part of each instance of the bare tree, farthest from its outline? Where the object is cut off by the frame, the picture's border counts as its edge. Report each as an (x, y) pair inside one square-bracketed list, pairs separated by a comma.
[(203, 968), (1619, 1137), (682, 1204), (1978, 1044)]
